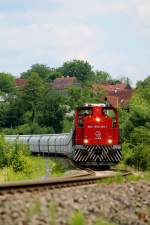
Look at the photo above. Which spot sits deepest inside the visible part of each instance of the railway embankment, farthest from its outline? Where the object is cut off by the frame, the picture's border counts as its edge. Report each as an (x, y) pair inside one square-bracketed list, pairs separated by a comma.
[(120, 203)]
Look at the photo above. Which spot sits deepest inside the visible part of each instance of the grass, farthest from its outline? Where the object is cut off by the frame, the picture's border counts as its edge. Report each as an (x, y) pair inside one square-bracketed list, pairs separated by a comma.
[(77, 218), (34, 210), (52, 213), (123, 179), (119, 179), (102, 221), (37, 167)]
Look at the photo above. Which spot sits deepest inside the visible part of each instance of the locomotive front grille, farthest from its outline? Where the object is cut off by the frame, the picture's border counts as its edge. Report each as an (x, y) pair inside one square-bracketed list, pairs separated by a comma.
[(97, 153)]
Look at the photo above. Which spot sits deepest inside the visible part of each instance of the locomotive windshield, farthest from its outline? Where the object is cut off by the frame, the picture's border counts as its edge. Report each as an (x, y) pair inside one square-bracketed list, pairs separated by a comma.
[(110, 112), (83, 112)]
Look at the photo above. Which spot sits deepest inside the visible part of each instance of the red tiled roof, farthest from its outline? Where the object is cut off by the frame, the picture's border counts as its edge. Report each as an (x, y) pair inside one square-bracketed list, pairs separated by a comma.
[(121, 98), (117, 94), (20, 82), (113, 87), (65, 82)]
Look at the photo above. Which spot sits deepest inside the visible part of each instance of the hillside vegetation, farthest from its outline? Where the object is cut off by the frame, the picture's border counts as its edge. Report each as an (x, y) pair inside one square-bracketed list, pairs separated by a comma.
[(36, 107)]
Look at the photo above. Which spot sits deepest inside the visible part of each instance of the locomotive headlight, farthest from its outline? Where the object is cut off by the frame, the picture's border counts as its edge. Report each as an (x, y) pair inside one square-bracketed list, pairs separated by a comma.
[(109, 141), (85, 141), (98, 119)]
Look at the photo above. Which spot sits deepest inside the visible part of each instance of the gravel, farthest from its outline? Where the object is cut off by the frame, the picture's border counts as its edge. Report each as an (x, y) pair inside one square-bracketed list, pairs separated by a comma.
[(126, 203)]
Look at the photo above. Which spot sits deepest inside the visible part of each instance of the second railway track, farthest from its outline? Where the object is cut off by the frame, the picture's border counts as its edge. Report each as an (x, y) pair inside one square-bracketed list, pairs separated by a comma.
[(86, 178)]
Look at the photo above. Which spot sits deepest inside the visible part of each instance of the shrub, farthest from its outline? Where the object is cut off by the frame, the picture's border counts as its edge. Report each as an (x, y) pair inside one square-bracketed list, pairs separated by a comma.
[(33, 128), (137, 155), (77, 218), (4, 149), (14, 155)]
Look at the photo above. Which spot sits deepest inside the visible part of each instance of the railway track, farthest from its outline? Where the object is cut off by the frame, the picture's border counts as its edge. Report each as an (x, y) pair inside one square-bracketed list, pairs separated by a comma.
[(84, 178)]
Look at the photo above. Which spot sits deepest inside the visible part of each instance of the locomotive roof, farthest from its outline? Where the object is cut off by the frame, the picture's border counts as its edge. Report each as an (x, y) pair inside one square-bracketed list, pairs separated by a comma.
[(88, 105), (91, 105)]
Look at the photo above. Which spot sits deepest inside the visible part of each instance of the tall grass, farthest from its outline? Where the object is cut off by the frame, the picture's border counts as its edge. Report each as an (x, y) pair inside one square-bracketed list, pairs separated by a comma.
[(16, 163)]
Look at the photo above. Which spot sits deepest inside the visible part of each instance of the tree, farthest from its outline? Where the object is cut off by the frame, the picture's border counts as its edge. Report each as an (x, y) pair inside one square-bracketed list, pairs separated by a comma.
[(102, 77), (80, 69), (7, 82), (52, 111), (77, 96), (136, 128), (11, 113), (32, 95), (43, 71), (53, 74), (144, 89), (126, 80)]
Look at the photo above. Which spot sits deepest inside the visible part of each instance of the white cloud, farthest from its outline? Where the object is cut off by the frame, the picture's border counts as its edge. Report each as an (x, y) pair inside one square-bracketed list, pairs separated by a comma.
[(94, 6), (142, 8), (71, 29)]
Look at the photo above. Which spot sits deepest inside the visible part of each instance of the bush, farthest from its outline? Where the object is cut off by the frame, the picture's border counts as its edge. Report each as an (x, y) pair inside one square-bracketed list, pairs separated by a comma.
[(137, 155), (13, 155), (33, 128), (77, 218), (68, 124), (4, 149)]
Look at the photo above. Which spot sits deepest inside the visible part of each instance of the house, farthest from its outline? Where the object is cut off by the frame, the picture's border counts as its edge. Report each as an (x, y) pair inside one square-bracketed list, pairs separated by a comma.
[(117, 94), (20, 82), (62, 83)]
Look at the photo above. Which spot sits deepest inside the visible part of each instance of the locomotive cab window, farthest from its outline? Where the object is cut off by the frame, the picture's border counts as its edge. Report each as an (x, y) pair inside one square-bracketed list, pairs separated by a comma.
[(83, 112), (110, 113)]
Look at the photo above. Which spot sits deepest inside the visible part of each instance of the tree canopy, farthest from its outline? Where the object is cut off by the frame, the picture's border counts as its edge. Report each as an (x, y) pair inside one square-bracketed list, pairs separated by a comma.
[(80, 69), (135, 127), (43, 71), (7, 82)]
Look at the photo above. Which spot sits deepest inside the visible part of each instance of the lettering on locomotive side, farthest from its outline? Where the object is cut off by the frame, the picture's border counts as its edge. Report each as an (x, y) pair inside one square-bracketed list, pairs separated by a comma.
[(95, 126)]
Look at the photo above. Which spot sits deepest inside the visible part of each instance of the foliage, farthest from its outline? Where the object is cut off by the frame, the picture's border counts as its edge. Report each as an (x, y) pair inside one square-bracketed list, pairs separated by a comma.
[(33, 128), (137, 156), (13, 155), (102, 77), (77, 218), (4, 151), (68, 124), (53, 213), (42, 70), (119, 179), (37, 108), (32, 95), (35, 209), (30, 111), (135, 126), (53, 74), (33, 168), (58, 167), (7, 83), (102, 221), (80, 69), (126, 80), (52, 111), (11, 114), (77, 96)]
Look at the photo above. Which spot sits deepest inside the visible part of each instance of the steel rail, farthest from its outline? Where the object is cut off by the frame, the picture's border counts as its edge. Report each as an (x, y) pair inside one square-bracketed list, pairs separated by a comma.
[(54, 183)]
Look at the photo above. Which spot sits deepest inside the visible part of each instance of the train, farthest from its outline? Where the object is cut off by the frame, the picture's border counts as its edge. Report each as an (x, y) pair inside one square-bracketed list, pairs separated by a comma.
[(94, 140)]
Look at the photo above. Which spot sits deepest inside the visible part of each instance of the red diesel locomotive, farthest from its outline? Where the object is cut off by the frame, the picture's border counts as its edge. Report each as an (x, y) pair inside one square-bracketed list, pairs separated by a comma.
[(96, 135)]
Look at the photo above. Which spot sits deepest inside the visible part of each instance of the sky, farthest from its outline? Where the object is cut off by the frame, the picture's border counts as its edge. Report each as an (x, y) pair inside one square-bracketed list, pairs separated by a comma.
[(112, 35)]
